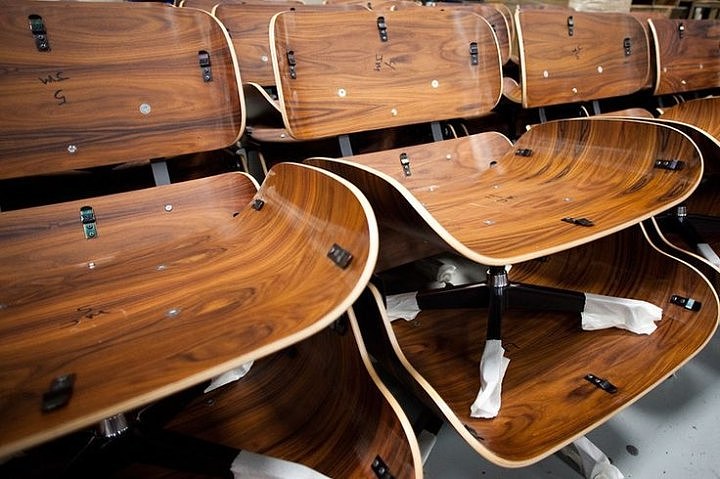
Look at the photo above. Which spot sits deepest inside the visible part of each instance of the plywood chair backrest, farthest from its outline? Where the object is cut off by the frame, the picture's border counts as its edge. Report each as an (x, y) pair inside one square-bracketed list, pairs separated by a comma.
[(687, 55), (495, 16), (248, 23), (345, 72), (90, 84), (568, 56)]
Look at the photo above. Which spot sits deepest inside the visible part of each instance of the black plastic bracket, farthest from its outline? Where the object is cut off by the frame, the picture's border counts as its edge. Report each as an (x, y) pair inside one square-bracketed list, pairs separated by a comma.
[(473, 53), (578, 221), (681, 30), (205, 70), (571, 26), (37, 27), (627, 46), (87, 218), (382, 29), (292, 63), (59, 394), (527, 152), (381, 469), (603, 384), (687, 303), (258, 204), (340, 256), (673, 165), (405, 162)]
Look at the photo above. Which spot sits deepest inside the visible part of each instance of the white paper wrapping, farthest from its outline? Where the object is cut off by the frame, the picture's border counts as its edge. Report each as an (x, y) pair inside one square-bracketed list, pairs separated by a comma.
[(229, 376), (493, 365), (402, 306), (249, 465), (631, 314)]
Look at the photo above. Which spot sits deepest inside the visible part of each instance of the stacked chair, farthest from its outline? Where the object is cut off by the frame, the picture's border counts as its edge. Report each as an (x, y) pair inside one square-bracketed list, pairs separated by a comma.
[(562, 204), (135, 301), (291, 320), (686, 65)]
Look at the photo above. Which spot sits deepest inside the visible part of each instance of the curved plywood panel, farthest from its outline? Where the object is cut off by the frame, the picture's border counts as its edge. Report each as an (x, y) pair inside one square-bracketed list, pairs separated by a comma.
[(497, 204), (180, 283), (117, 82), (346, 78), (546, 400)]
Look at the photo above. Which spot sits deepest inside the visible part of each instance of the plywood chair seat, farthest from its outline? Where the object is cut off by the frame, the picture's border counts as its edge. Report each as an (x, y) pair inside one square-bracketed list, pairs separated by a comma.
[(547, 402), (190, 274), (139, 295), (498, 204), (315, 427)]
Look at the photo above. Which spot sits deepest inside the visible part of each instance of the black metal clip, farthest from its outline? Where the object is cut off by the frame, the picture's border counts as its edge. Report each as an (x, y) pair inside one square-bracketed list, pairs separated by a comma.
[(673, 165), (59, 394), (603, 384), (37, 27), (627, 45), (687, 303), (87, 218), (578, 221), (523, 152), (204, 60), (571, 26), (381, 470), (405, 162), (681, 30), (382, 29), (291, 64), (340, 256), (473, 53)]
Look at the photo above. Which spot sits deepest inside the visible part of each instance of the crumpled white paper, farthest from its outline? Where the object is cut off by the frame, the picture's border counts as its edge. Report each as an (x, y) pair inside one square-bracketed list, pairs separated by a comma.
[(229, 376), (593, 463), (403, 306), (608, 311), (493, 365), (256, 466)]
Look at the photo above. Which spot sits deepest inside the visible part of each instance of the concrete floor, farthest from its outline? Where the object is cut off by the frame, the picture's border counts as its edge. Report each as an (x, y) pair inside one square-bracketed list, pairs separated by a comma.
[(672, 432)]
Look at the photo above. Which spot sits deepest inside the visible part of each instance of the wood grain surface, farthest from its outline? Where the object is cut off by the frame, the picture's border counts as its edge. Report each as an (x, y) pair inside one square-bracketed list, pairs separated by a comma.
[(590, 64), (182, 283), (546, 402), (689, 63), (349, 80), (121, 82), (494, 15), (319, 403), (248, 25), (480, 198)]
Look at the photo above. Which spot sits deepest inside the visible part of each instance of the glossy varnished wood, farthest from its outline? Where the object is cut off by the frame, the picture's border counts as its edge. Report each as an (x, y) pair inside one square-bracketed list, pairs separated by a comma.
[(590, 64), (689, 63), (477, 196), (349, 80), (121, 82), (319, 403), (546, 402), (494, 14), (248, 24), (181, 283)]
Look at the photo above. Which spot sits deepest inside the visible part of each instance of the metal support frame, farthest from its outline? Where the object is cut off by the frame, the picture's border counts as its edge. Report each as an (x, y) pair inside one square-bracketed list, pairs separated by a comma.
[(499, 294)]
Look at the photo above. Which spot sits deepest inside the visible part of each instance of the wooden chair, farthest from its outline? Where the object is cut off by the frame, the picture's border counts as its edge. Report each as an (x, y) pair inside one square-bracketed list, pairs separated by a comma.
[(109, 303), (548, 400), (686, 64), (562, 185)]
